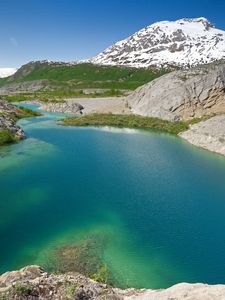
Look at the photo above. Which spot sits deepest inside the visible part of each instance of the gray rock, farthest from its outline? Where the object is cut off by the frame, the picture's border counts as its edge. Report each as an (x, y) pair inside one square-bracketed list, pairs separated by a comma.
[(209, 134), (33, 283), (65, 107), (8, 114), (183, 94)]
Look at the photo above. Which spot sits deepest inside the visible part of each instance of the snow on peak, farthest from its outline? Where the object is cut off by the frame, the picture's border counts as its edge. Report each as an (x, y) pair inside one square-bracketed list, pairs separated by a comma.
[(5, 72), (203, 21), (185, 42)]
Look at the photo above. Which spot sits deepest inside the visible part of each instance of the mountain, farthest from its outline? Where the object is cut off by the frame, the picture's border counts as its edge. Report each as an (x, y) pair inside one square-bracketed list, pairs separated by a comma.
[(5, 72), (181, 43)]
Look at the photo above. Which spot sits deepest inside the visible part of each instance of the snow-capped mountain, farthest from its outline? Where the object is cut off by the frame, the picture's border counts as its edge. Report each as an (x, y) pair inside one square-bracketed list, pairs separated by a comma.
[(183, 43), (5, 72)]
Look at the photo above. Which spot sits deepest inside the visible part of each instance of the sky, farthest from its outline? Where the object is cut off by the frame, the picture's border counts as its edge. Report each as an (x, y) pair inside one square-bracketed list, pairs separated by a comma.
[(69, 30)]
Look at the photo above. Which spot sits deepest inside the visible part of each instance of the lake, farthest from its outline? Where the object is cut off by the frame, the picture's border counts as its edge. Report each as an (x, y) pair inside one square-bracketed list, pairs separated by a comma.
[(147, 205)]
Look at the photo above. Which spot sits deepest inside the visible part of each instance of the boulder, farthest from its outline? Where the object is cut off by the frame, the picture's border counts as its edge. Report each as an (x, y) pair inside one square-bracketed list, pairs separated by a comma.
[(183, 94)]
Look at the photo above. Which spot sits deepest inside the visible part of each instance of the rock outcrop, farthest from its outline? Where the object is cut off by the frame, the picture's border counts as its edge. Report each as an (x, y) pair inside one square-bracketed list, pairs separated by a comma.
[(182, 95), (33, 283), (115, 105), (8, 118), (64, 107), (209, 134)]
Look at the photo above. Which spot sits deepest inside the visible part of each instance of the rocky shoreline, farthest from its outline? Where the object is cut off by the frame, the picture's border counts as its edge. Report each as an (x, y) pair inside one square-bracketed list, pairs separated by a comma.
[(32, 282), (8, 117), (209, 134)]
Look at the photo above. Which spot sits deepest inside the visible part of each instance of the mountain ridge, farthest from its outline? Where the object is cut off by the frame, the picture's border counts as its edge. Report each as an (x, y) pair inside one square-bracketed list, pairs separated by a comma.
[(182, 43)]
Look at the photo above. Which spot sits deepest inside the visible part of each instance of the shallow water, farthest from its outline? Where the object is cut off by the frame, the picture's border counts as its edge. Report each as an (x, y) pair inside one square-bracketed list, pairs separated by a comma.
[(158, 202)]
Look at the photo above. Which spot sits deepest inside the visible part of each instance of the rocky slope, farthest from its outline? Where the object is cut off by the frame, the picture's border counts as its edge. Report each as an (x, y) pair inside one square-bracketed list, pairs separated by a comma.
[(24, 87), (33, 283), (8, 116), (209, 134), (182, 43), (183, 94)]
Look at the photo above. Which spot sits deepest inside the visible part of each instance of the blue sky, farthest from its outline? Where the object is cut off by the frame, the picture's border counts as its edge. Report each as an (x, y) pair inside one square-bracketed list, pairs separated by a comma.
[(77, 29)]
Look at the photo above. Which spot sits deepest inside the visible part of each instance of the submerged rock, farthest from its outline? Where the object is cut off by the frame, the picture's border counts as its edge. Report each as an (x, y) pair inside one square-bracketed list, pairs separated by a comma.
[(183, 94)]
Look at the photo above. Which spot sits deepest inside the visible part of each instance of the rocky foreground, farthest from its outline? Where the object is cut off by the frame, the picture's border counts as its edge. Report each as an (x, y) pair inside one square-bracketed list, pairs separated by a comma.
[(33, 283)]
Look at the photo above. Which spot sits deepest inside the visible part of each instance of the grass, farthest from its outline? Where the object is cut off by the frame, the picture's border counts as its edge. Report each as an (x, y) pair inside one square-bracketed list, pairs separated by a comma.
[(85, 76), (22, 289), (130, 121), (57, 96), (24, 112), (6, 137), (102, 275), (70, 287)]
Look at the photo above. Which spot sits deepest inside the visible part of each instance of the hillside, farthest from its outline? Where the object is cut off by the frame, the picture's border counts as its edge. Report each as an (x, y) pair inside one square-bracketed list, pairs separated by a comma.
[(182, 43), (68, 78)]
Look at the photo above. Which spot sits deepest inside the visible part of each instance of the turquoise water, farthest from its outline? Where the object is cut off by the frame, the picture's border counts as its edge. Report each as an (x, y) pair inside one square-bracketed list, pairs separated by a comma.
[(158, 202)]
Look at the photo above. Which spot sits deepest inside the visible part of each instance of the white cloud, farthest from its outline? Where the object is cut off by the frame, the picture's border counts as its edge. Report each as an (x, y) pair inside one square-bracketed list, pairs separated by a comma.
[(13, 41)]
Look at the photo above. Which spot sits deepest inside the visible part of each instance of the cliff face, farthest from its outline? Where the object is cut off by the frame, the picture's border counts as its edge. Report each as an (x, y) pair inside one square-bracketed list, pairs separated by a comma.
[(183, 94), (33, 283)]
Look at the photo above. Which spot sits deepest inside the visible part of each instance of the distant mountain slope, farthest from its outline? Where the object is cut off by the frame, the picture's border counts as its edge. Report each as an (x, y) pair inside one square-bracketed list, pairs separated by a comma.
[(5, 72), (182, 43), (69, 76)]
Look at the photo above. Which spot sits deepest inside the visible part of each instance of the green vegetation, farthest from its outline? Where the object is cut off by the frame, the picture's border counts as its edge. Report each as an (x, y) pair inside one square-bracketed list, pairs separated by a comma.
[(6, 137), (102, 275), (70, 287), (66, 78), (23, 290), (57, 96), (131, 121), (24, 112)]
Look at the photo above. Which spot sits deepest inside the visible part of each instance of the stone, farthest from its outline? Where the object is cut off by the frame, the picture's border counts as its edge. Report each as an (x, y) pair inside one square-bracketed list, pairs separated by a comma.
[(32, 282), (183, 94), (209, 134)]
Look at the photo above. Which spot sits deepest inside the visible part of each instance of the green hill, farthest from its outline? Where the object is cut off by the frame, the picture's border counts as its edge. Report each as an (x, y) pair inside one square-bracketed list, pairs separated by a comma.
[(82, 76)]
